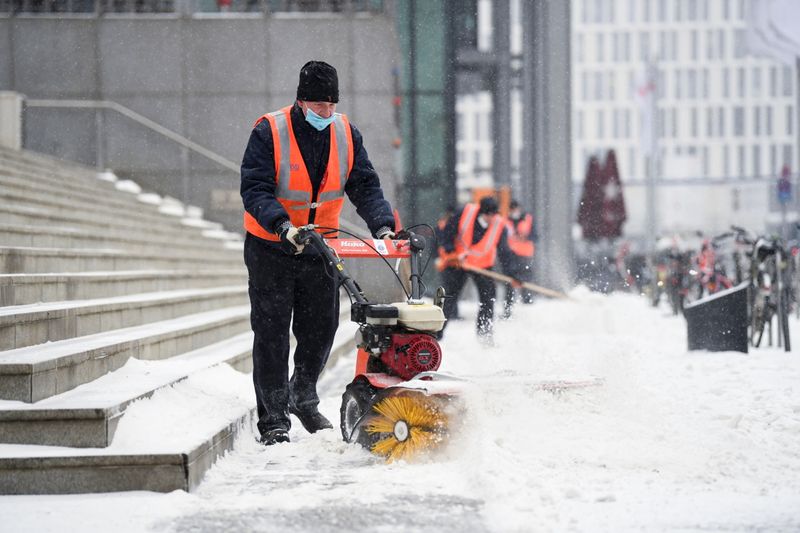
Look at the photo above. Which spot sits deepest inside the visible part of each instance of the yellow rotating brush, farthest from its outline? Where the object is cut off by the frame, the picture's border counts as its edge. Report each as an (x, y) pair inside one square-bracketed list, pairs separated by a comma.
[(412, 423)]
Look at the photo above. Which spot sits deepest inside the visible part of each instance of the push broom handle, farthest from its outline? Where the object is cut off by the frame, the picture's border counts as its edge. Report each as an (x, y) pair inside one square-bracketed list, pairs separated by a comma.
[(508, 279)]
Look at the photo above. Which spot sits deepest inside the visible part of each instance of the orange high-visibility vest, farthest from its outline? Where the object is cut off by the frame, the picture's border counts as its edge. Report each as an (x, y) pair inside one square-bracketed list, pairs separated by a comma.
[(293, 184), (483, 253), (519, 236)]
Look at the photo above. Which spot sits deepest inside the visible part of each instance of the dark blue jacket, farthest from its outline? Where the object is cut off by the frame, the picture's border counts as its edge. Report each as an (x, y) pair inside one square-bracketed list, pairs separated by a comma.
[(258, 175)]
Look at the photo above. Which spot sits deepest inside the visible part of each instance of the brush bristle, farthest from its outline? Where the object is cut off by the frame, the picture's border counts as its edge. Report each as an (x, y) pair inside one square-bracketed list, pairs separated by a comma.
[(423, 416)]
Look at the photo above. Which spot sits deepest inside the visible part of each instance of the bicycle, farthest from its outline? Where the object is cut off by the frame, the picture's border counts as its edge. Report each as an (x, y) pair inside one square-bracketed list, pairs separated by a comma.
[(769, 292)]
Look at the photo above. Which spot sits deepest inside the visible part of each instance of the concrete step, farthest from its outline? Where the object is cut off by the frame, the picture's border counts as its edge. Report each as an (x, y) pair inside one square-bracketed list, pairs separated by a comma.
[(14, 260), (22, 289), (153, 465), (87, 416), (64, 471), (31, 190), (30, 163), (21, 235), (33, 186), (27, 325), (37, 372), (88, 220)]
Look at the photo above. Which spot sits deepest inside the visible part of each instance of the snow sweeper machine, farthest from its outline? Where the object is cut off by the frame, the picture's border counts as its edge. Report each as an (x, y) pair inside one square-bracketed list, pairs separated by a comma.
[(397, 406)]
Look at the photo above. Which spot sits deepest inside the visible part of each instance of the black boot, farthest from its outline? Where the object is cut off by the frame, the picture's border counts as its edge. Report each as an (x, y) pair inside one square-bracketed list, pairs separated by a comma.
[(311, 419), (274, 436)]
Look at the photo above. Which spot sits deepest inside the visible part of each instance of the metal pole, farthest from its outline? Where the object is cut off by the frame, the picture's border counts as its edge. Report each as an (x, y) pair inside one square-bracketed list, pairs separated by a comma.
[(652, 215), (412, 111), (501, 92)]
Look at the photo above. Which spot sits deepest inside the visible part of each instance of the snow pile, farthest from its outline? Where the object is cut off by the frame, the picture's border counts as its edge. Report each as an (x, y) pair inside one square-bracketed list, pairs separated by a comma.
[(671, 440)]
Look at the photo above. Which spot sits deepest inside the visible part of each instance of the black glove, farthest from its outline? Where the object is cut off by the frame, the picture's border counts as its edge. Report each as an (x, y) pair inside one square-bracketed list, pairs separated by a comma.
[(288, 234)]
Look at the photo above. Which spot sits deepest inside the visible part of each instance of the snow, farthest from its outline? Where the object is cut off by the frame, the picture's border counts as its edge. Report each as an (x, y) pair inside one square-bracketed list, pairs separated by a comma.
[(128, 186), (670, 440)]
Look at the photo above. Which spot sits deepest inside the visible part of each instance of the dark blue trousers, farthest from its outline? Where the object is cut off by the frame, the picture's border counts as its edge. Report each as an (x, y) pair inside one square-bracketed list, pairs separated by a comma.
[(288, 291)]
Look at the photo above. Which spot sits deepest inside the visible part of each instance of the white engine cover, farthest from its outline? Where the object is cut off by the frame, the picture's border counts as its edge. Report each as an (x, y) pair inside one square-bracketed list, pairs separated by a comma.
[(420, 317)]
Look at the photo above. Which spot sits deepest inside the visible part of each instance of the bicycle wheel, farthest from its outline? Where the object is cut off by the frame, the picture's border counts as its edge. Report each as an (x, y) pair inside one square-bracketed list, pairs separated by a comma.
[(757, 325)]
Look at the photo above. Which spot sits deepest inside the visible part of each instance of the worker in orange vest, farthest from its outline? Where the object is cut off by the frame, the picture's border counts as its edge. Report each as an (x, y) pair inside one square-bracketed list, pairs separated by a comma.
[(475, 236), (299, 163), (521, 237)]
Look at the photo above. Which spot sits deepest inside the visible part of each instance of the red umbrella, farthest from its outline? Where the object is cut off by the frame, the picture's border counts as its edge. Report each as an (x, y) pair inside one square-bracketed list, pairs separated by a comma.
[(602, 209)]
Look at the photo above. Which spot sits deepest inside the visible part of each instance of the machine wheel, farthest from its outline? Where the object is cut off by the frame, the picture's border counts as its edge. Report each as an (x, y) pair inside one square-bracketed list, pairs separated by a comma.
[(356, 402)]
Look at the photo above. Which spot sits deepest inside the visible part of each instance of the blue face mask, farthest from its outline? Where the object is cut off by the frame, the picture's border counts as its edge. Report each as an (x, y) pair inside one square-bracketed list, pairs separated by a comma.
[(317, 121)]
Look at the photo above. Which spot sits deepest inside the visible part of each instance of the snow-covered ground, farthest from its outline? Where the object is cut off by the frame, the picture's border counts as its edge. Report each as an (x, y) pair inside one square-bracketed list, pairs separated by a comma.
[(672, 440)]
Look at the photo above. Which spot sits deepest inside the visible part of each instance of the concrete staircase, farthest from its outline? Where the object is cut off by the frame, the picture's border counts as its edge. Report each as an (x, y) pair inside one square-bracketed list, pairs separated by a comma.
[(108, 296)]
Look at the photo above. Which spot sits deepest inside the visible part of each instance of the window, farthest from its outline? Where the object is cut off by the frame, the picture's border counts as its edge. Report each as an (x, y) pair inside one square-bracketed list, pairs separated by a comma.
[(646, 11), (740, 9), (740, 82), (705, 161), (755, 73), (756, 161), (709, 44), (661, 84), (662, 10), (601, 125), (615, 124), (709, 123), (787, 81), (678, 79), (585, 86), (674, 44), (773, 159), (615, 47), (768, 120), (674, 123), (726, 9), (773, 81), (726, 83), (787, 155), (579, 45), (692, 9), (694, 44), (738, 121), (741, 169), (611, 85), (599, 48), (662, 123), (721, 51), (789, 119), (693, 121), (721, 124), (756, 121), (579, 124), (632, 10), (739, 43), (662, 44), (627, 123), (626, 46), (644, 46), (678, 10), (598, 86), (691, 83), (705, 88), (726, 164)]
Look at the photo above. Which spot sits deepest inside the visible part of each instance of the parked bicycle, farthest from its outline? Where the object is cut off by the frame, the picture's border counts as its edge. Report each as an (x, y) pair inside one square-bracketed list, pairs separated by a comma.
[(769, 288)]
